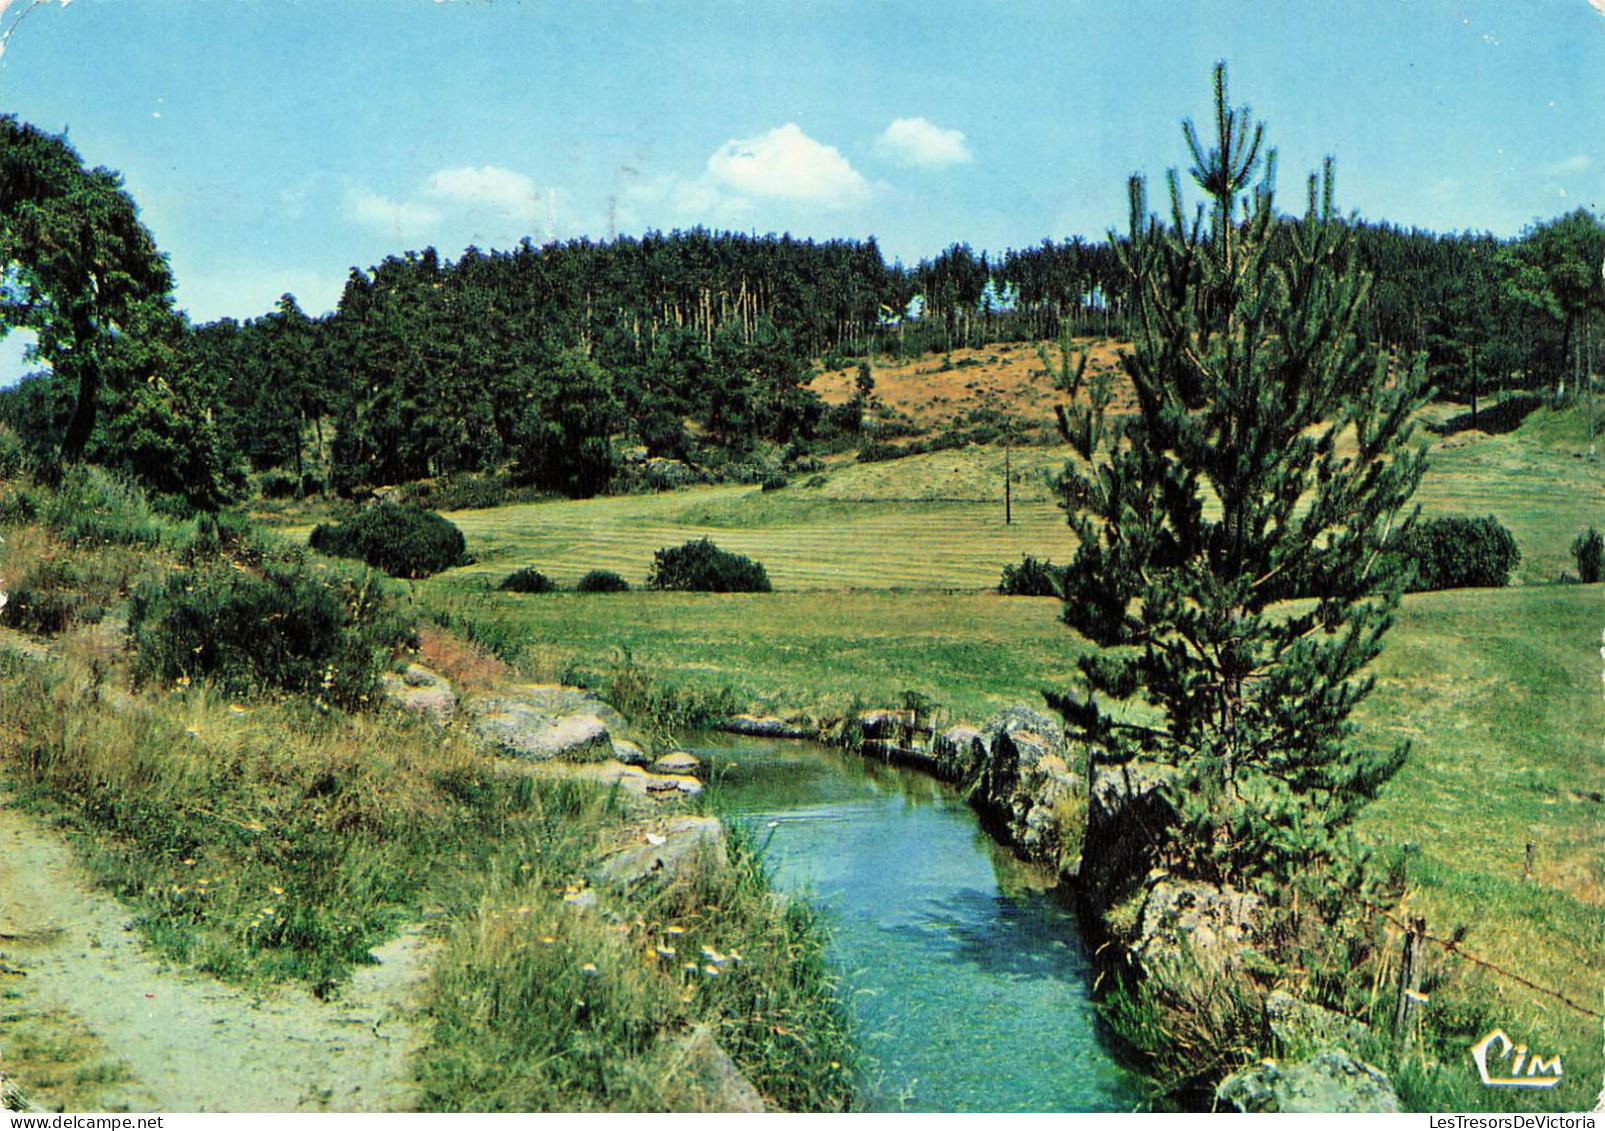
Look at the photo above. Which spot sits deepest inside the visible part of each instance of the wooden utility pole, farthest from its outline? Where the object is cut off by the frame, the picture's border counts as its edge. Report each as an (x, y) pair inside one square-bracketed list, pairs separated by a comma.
[(1008, 478)]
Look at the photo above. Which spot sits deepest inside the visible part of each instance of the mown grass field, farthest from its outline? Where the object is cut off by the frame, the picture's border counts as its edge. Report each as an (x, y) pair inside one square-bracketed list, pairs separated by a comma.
[(882, 576)]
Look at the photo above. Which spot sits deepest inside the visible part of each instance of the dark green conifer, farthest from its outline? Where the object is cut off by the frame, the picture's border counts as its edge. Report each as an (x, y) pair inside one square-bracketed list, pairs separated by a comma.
[(1230, 529)]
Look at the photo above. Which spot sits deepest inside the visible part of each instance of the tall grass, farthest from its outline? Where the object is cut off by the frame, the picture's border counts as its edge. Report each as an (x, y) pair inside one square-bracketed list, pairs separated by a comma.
[(543, 1002)]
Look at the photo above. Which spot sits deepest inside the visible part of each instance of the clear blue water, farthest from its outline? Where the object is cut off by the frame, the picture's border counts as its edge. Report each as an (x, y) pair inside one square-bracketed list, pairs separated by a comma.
[(968, 983)]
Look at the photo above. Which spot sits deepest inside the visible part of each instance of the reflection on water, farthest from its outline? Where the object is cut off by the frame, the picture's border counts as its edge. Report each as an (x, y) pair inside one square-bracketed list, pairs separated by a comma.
[(969, 986)]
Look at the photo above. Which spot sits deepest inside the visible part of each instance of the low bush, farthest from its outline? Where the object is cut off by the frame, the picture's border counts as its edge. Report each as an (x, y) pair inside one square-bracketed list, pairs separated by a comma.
[(1457, 553), (775, 481), (527, 580), (46, 600), (403, 540), (1589, 550), (290, 628), (602, 581), (702, 567), (15, 459), (1032, 578), (877, 451), (91, 507)]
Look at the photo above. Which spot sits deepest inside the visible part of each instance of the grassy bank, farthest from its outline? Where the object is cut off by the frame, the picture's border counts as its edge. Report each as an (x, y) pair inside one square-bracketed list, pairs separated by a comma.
[(273, 837)]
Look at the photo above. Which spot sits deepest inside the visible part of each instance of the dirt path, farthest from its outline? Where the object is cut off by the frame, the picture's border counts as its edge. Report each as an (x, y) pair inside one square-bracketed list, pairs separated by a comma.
[(191, 1043)]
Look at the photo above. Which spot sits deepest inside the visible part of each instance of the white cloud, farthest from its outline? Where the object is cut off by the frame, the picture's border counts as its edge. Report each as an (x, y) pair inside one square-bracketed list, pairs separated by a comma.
[(916, 141), (1577, 163), (787, 164), (489, 188), (402, 219), (485, 204)]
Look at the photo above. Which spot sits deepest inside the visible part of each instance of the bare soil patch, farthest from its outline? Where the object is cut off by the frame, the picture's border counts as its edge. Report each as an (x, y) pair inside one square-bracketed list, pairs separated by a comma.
[(1007, 377), (101, 1022)]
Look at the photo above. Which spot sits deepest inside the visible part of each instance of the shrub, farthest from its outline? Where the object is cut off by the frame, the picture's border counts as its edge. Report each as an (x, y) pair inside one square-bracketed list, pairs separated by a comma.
[(210, 537), (403, 540), (527, 580), (289, 628), (602, 581), (46, 599), (1032, 578), (15, 460), (1589, 550), (1457, 553), (775, 481), (702, 567), (878, 452), (92, 507)]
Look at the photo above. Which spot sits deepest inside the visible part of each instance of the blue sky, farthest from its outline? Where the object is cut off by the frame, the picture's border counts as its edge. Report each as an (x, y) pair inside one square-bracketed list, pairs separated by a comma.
[(274, 144)]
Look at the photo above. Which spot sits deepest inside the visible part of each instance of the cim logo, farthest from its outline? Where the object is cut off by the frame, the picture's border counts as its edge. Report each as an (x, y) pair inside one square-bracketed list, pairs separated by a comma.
[(1540, 1073)]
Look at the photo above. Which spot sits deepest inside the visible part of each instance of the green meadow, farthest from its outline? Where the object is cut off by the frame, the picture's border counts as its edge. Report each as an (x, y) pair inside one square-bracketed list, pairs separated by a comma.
[(884, 576)]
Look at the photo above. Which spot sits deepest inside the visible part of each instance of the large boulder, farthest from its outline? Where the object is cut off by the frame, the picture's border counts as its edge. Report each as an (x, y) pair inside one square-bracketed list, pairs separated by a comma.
[(1128, 821), (767, 726), (705, 1079), (958, 753), (1331, 1081), (1025, 788), (524, 726), (419, 690), (682, 845), (1194, 933)]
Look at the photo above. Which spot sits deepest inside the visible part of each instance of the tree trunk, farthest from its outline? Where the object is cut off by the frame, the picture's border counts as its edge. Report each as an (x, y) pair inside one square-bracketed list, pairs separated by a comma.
[(82, 425)]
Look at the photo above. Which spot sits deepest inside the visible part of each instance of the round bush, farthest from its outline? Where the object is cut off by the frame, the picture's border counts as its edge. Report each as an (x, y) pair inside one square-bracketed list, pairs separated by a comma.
[(602, 581), (1032, 578), (291, 628), (702, 567), (527, 580), (403, 540), (1458, 553)]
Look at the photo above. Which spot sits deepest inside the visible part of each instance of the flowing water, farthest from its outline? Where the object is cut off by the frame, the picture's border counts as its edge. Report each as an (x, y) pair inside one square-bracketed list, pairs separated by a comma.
[(968, 982)]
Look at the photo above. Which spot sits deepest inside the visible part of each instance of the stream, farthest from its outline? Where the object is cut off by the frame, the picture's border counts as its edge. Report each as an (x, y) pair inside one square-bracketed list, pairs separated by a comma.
[(968, 982)]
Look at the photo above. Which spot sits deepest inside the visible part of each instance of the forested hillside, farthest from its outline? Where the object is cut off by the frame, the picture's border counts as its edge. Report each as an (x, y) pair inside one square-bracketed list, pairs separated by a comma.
[(548, 363)]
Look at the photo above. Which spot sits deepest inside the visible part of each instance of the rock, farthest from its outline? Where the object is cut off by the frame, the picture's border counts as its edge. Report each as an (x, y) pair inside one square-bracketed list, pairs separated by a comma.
[(678, 762), (528, 734), (1022, 718), (661, 784), (1301, 1025), (883, 724), (546, 721), (1330, 1081), (629, 752), (957, 753), (1127, 818), (1025, 788), (705, 1079), (420, 690), (767, 726), (1194, 933), (688, 842), (555, 699)]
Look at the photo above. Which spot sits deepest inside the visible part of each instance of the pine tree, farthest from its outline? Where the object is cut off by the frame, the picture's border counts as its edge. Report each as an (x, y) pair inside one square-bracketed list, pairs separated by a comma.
[(1230, 530)]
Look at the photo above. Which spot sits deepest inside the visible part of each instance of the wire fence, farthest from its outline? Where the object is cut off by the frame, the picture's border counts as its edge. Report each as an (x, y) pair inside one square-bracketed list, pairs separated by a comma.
[(1452, 946)]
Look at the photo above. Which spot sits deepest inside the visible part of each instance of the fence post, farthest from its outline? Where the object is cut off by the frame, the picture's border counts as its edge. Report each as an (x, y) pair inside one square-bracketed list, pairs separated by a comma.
[(1409, 981), (1527, 869)]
